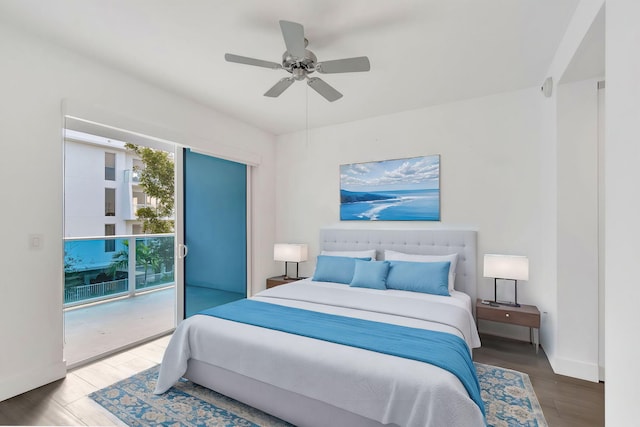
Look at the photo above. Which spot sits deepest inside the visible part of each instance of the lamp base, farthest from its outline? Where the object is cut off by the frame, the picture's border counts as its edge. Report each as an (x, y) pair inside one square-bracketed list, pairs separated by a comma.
[(286, 272), (495, 294), (508, 304)]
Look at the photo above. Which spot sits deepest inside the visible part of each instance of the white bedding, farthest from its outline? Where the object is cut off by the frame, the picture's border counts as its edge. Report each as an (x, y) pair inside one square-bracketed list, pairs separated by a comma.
[(380, 387)]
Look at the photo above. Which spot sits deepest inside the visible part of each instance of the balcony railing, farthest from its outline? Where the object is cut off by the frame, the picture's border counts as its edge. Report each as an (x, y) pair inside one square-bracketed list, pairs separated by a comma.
[(84, 293), (103, 267)]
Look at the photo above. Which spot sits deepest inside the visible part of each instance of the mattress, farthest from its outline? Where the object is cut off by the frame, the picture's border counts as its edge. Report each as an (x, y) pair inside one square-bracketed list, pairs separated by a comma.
[(380, 387)]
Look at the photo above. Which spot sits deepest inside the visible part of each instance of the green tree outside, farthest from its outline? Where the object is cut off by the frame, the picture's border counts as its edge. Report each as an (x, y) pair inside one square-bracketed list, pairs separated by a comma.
[(148, 255), (157, 180)]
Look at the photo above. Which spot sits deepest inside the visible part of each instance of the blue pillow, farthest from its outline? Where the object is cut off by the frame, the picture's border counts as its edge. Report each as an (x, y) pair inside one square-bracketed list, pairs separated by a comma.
[(337, 269), (425, 277), (370, 274)]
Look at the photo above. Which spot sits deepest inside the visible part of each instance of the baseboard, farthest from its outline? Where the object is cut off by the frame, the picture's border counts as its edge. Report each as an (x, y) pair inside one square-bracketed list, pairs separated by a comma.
[(25, 381), (576, 369)]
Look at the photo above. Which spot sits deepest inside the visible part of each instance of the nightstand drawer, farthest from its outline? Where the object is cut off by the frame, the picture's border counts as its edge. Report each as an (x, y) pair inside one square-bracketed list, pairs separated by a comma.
[(508, 315)]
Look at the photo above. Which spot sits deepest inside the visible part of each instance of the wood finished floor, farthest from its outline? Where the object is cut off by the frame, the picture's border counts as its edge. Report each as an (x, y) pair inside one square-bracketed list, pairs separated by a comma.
[(66, 402), (566, 402)]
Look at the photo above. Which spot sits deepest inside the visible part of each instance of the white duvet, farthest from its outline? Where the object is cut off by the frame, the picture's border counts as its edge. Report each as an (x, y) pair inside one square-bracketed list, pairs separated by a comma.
[(381, 387)]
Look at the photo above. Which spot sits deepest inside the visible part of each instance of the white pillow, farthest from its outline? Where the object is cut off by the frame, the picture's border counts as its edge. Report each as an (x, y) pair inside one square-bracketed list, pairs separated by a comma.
[(369, 253), (401, 256)]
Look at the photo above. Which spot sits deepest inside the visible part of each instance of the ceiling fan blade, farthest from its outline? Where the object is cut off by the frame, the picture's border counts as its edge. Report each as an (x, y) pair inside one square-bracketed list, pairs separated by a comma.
[(279, 87), (293, 34), (324, 89), (251, 61), (347, 65)]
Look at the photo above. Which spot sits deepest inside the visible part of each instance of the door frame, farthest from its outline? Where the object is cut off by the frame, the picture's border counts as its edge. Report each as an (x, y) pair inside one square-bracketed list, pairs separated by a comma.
[(124, 127)]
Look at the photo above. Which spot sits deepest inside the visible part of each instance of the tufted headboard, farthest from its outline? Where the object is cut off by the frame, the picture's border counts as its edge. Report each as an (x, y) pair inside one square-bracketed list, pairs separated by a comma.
[(412, 241)]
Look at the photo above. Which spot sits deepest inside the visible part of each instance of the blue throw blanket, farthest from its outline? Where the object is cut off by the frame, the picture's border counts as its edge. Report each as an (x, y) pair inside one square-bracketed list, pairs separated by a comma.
[(441, 349)]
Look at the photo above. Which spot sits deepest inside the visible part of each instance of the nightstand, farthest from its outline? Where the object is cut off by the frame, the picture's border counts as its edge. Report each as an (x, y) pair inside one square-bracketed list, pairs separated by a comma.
[(280, 280), (525, 315)]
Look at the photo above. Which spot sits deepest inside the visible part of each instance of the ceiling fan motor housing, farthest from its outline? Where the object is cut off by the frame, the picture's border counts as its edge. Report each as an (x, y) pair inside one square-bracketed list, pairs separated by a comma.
[(299, 67)]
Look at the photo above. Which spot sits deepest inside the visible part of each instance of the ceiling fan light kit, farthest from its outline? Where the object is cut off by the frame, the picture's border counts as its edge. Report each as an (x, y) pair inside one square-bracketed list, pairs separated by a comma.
[(300, 62)]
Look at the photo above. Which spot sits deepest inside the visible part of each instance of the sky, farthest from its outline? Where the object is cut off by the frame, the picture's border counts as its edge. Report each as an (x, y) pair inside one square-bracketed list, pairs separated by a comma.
[(403, 174)]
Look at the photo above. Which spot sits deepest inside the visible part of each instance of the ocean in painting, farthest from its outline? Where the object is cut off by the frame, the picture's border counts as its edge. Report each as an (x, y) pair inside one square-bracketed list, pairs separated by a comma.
[(399, 205)]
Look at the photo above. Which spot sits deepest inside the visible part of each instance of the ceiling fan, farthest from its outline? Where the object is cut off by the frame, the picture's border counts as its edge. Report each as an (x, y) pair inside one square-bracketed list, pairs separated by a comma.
[(301, 62)]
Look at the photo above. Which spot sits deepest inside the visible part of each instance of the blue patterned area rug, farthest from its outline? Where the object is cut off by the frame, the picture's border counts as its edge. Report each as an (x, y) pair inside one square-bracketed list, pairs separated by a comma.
[(508, 397)]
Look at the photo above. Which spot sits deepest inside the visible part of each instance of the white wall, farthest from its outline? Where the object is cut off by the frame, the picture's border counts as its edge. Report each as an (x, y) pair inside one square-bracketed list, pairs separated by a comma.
[(497, 176), (622, 217), (577, 340), (35, 76), (557, 133)]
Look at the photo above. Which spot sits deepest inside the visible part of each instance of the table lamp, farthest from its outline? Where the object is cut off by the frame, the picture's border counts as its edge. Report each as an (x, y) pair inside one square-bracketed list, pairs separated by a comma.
[(290, 252), (506, 267)]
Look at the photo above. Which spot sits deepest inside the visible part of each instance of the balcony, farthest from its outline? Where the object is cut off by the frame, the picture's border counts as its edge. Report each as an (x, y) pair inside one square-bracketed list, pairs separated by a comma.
[(99, 268), (93, 331), (132, 176), (119, 291)]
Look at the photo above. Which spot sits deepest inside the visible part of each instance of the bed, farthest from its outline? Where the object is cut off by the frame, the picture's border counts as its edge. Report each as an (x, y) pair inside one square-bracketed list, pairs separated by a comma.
[(314, 382)]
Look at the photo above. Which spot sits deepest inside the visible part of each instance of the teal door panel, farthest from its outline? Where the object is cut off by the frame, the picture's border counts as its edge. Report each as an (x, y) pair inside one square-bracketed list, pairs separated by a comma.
[(215, 230)]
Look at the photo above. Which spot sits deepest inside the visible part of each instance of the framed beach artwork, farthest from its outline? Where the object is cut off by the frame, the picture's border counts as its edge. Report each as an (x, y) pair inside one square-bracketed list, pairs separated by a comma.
[(391, 190)]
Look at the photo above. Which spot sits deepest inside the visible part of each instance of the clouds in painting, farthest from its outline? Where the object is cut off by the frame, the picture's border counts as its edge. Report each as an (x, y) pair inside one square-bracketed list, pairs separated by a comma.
[(412, 173)]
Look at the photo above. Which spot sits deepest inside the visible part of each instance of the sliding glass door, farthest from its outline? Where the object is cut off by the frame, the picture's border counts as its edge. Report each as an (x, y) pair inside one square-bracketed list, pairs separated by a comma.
[(215, 231), (119, 242)]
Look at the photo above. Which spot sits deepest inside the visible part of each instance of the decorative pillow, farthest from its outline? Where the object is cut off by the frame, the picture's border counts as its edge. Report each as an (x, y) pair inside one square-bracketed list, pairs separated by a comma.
[(370, 274), (338, 269), (452, 258), (371, 253), (425, 277)]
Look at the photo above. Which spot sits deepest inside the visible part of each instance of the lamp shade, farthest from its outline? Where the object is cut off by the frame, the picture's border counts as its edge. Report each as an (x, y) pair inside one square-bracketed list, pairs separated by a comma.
[(514, 267), (290, 252)]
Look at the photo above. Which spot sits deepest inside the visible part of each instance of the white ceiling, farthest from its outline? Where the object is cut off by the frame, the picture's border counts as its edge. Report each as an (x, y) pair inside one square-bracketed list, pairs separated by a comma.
[(588, 61), (422, 52)]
